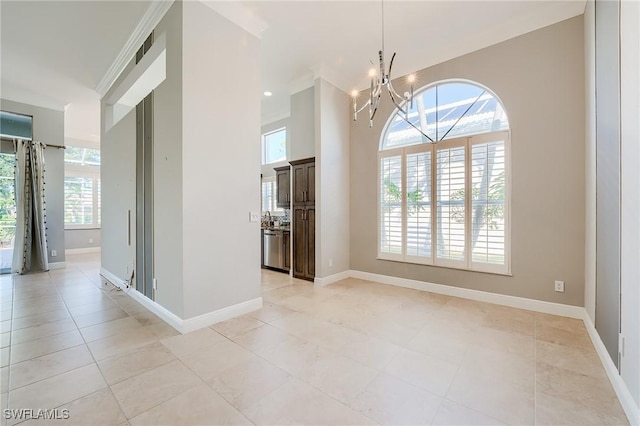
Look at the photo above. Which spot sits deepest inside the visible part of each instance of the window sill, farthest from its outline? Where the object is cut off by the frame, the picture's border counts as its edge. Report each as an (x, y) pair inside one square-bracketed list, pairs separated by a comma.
[(83, 228), (504, 274)]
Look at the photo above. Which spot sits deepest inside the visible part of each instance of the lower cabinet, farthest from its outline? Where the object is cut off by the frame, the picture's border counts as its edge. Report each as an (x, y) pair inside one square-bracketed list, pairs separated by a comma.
[(304, 242), (286, 241)]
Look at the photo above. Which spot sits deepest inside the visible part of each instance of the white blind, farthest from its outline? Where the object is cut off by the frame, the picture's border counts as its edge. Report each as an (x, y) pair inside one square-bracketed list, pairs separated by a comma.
[(451, 212), (418, 196), (391, 205), (488, 242), (267, 195), (78, 200)]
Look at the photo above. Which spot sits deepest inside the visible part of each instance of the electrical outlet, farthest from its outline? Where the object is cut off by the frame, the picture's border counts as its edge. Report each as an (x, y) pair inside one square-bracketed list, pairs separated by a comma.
[(90, 240), (560, 286), (54, 253), (621, 344), (254, 217), (155, 284)]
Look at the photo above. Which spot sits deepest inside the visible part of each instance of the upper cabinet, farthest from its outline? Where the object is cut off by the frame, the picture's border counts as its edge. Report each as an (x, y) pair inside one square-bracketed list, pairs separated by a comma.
[(304, 181), (283, 198)]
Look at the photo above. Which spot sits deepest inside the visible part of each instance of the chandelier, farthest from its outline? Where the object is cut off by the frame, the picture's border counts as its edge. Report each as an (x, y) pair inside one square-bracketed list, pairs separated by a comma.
[(380, 79)]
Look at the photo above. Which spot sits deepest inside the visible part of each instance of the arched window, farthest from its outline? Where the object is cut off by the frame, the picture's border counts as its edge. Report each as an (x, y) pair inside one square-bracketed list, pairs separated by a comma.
[(444, 189)]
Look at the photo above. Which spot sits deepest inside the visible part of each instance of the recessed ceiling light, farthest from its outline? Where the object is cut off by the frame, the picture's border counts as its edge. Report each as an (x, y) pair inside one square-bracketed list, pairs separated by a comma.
[(268, 93)]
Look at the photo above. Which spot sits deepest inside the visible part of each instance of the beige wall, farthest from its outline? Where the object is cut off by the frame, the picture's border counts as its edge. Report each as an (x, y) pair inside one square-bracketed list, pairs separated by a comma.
[(540, 78)]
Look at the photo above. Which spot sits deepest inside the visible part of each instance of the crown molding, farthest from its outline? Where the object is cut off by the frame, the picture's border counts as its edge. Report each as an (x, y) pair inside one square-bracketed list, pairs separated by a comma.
[(152, 16)]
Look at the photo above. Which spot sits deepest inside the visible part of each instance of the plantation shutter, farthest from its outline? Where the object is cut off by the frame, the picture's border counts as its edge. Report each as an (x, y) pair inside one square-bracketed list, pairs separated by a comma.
[(488, 230), (418, 206), (391, 190), (450, 199), (78, 200)]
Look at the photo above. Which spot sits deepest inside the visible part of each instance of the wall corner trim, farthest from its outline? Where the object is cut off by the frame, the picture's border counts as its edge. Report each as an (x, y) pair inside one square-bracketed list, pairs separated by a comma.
[(190, 324), (147, 23), (629, 406)]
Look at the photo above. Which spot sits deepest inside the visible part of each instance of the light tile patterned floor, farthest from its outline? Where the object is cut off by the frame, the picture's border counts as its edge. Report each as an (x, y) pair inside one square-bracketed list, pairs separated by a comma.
[(354, 352)]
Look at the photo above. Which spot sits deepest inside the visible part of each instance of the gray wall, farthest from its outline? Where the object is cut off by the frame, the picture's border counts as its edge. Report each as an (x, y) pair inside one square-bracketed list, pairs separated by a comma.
[(81, 238), (608, 175), (168, 167), (540, 78), (332, 171), (221, 157), (48, 127), (303, 118), (118, 179)]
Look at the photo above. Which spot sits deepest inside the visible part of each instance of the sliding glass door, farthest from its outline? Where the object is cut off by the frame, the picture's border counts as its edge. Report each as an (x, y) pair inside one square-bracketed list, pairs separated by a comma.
[(7, 211)]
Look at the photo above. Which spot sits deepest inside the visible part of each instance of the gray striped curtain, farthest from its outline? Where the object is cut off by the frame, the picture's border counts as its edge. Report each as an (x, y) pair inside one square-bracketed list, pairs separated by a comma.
[(30, 246)]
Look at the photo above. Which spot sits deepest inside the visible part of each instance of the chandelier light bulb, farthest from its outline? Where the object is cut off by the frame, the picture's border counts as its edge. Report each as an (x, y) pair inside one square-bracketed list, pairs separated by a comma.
[(411, 78), (372, 72), (354, 93)]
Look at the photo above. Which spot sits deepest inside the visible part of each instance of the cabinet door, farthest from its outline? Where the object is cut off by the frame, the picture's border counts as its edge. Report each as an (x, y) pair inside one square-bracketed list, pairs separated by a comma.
[(299, 183), (282, 188), (299, 243), (310, 196), (310, 223)]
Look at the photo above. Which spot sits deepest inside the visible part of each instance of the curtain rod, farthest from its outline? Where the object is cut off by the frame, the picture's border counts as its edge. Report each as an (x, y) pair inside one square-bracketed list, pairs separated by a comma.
[(31, 140)]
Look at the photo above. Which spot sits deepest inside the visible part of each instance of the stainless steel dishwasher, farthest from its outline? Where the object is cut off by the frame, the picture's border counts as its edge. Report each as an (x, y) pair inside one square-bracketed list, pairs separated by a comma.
[(273, 256)]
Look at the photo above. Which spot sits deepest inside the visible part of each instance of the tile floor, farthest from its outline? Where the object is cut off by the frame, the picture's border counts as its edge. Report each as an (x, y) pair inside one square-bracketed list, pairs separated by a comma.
[(352, 353)]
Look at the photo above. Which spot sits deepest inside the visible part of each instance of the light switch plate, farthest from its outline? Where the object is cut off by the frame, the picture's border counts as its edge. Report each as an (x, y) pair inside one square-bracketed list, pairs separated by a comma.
[(254, 217)]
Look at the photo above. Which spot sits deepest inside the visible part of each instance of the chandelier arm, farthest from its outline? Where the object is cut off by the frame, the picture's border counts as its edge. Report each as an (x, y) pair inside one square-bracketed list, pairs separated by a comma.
[(366, 104), (395, 103), (415, 127), (393, 91), (391, 65), (375, 109)]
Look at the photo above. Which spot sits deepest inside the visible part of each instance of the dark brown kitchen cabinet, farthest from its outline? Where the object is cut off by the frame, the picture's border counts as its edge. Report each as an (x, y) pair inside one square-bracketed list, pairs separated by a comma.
[(304, 181), (304, 242), (282, 187)]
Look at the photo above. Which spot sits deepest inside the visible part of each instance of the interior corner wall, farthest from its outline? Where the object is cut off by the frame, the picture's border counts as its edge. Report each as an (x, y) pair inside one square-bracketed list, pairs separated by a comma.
[(332, 177), (48, 127), (539, 76), (220, 163)]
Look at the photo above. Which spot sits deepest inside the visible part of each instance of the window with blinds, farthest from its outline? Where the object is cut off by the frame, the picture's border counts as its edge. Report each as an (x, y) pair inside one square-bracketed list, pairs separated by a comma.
[(488, 204), (82, 188), (391, 206), (81, 205), (450, 198), (446, 204), (268, 196), (418, 208)]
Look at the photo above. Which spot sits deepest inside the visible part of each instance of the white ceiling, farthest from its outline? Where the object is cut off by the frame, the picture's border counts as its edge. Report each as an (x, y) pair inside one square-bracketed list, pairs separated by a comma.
[(54, 53)]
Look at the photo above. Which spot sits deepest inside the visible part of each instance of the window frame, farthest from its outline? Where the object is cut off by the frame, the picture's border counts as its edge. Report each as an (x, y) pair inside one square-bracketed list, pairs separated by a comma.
[(467, 263), (264, 145)]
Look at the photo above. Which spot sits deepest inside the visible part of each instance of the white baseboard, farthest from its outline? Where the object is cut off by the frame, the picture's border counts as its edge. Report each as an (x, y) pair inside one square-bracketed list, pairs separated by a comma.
[(57, 265), (482, 296), (321, 282), (83, 250), (189, 324), (629, 406)]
